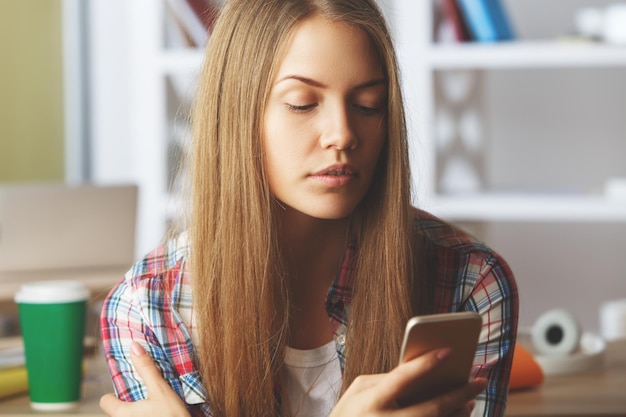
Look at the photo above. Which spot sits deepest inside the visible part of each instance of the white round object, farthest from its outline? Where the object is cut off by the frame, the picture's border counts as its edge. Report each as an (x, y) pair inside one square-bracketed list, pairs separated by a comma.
[(48, 292), (589, 357), (556, 332)]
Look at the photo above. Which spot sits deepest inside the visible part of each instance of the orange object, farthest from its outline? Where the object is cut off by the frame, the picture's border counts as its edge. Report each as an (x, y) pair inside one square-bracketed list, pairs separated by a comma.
[(525, 371)]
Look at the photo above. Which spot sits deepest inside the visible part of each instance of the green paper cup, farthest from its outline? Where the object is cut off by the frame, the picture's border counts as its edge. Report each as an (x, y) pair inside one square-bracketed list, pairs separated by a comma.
[(52, 318)]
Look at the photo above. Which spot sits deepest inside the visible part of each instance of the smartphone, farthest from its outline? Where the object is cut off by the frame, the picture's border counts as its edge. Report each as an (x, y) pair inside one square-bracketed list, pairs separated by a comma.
[(458, 331)]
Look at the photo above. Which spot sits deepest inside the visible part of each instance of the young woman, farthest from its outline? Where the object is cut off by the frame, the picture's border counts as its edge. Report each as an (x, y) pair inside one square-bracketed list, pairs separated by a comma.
[(303, 260)]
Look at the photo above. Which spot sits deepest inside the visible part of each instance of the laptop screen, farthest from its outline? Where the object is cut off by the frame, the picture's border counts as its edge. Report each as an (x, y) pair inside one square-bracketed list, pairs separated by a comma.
[(59, 226)]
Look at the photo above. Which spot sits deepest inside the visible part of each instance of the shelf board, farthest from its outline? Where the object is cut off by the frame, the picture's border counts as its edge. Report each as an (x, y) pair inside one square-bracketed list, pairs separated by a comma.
[(525, 55), (528, 208)]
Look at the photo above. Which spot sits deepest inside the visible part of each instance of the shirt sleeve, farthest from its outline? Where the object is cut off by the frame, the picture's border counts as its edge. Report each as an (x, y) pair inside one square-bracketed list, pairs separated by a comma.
[(494, 296), (153, 306), (124, 320)]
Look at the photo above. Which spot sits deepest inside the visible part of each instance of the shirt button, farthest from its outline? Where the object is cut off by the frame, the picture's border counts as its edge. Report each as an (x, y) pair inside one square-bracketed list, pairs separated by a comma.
[(341, 339)]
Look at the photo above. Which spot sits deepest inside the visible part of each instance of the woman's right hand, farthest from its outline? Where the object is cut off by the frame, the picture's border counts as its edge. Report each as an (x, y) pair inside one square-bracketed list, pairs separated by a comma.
[(162, 400), (376, 395)]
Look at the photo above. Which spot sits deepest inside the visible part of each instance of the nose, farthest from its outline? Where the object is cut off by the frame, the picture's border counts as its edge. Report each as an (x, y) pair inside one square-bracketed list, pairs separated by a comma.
[(338, 132)]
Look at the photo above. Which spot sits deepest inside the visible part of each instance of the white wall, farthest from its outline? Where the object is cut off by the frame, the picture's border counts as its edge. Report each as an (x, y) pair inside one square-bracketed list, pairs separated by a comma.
[(563, 131)]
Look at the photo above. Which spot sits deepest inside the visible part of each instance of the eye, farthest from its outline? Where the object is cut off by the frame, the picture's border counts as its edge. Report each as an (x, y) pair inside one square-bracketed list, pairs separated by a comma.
[(300, 108), (368, 110)]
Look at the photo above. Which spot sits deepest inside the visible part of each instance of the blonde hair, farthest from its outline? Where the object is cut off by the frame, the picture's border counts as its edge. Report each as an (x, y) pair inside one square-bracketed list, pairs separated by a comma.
[(240, 290)]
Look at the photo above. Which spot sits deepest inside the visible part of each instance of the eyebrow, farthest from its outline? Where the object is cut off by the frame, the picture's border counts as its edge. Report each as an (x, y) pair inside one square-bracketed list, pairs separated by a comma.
[(314, 83)]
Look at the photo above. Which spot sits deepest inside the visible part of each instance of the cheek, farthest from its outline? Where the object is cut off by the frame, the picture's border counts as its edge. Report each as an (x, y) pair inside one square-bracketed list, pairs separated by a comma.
[(280, 149), (272, 173), (376, 138), (375, 157), (287, 140), (276, 133), (280, 155)]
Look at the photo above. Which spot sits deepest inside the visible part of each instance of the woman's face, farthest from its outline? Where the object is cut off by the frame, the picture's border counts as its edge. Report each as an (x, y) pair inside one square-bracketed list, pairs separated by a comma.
[(325, 121)]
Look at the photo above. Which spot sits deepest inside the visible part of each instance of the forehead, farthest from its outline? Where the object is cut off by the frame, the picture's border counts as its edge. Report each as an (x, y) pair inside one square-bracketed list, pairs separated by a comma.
[(324, 48)]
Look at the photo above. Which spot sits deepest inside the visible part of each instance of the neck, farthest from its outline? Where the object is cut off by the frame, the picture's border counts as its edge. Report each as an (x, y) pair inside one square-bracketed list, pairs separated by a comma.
[(307, 240), (313, 250)]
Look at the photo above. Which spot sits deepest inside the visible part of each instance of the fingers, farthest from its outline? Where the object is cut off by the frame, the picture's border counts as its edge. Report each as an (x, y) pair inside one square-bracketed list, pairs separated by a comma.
[(388, 387), (161, 399), (399, 379), (459, 402), (379, 394), (365, 382), (109, 403), (146, 368)]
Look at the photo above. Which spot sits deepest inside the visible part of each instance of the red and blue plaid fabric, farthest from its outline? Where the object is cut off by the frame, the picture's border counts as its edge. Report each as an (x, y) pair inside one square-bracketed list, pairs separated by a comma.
[(152, 305)]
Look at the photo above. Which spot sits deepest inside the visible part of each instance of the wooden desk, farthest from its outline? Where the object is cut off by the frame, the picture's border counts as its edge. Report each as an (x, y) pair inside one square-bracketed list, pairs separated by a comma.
[(96, 382), (591, 394)]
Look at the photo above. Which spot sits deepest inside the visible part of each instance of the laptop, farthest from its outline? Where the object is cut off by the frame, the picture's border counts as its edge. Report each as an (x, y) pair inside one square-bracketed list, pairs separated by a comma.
[(59, 231)]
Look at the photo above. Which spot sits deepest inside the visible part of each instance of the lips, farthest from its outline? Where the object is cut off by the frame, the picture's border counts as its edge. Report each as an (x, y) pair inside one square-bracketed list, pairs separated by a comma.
[(336, 176), (337, 171)]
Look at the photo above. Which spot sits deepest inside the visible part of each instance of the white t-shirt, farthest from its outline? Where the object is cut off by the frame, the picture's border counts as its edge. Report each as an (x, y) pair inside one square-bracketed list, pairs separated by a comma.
[(313, 380)]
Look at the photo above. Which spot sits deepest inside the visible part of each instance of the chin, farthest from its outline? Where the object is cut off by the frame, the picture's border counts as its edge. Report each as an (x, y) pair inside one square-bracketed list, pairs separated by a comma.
[(336, 213), (323, 213), (333, 216), (323, 208)]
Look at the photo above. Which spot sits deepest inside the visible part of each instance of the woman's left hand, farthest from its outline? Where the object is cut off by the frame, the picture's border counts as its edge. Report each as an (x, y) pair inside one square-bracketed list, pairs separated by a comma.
[(377, 395), (162, 401)]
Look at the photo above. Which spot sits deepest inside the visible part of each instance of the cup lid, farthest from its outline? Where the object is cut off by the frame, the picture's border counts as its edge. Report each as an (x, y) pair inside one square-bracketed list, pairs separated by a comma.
[(43, 292)]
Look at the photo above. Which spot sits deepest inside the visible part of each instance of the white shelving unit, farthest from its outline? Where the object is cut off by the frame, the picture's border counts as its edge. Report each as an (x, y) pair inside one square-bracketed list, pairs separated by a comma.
[(551, 136), (423, 61), (529, 54), (133, 115), (530, 208)]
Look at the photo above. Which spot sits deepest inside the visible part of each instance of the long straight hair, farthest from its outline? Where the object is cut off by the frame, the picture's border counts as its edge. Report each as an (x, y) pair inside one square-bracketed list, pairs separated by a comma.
[(239, 283)]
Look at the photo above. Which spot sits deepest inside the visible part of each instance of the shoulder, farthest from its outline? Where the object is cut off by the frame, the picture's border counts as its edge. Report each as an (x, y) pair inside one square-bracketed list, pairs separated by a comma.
[(162, 261), (459, 264), (161, 274), (439, 233), (435, 234), (155, 294)]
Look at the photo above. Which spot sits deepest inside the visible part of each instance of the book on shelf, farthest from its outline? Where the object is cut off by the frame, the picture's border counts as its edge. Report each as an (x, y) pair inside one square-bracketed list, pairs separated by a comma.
[(452, 27), (499, 14), (487, 20), (206, 12)]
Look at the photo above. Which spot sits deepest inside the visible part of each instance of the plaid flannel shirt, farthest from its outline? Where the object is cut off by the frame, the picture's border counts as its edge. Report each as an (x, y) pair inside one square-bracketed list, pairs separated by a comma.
[(152, 305)]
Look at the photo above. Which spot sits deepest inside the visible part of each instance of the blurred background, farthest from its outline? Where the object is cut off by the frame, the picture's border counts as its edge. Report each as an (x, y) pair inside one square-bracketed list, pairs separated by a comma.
[(520, 140)]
